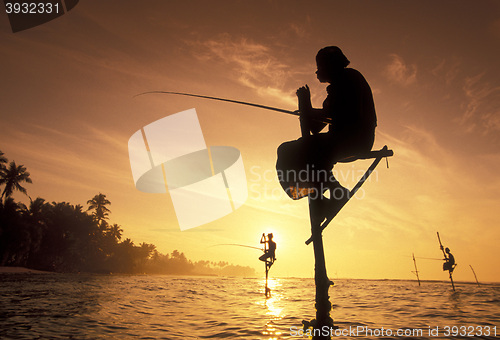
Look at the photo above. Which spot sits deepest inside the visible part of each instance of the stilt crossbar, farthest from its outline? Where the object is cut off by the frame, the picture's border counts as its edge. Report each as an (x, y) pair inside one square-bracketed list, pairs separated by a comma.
[(378, 155)]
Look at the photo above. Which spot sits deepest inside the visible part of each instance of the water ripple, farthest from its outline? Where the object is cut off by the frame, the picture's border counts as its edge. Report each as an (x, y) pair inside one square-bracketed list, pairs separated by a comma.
[(59, 306)]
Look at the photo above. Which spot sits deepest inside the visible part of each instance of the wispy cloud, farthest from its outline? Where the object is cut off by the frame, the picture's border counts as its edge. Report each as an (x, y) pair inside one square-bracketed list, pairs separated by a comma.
[(447, 70), (72, 158), (399, 72), (482, 105), (255, 64), (432, 186)]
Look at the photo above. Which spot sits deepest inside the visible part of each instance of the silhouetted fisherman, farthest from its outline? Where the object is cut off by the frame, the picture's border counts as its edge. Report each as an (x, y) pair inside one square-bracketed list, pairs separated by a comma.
[(305, 165), (268, 257), (270, 248), (449, 260)]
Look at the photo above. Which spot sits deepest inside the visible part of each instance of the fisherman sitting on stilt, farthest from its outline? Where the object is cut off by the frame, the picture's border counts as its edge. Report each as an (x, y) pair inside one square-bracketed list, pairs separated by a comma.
[(449, 259), (269, 249), (350, 110)]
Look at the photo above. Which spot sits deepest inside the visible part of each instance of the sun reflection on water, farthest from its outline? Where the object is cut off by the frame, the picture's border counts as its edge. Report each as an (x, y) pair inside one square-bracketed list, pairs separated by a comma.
[(273, 307)]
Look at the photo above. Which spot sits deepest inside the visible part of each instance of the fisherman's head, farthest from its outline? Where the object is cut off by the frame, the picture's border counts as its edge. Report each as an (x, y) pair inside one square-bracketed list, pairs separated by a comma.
[(447, 250), (270, 235), (330, 60)]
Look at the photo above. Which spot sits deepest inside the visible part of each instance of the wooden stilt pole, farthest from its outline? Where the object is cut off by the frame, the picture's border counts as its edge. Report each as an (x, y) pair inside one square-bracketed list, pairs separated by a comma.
[(473, 272), (268, 262), (322, 326), (323, 320), (451, 279), (323, 305), (323, 323), (416, 270), (268, 291)]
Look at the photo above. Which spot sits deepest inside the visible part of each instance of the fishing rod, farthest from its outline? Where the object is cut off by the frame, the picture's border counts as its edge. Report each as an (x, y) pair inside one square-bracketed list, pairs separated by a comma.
[(295, 113), (237, 245), (426, 258)]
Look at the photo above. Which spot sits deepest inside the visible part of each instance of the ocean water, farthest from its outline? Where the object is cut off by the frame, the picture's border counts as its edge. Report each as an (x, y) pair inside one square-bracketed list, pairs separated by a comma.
[(72, 306)]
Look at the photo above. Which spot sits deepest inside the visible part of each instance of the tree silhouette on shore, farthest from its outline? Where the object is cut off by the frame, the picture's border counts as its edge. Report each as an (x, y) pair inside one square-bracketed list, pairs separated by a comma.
[(63, 237), (12, 177), (3, 161), (98, 203)]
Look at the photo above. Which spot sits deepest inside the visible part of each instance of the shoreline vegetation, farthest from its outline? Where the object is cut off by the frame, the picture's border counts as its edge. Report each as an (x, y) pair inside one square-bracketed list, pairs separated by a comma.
[(24, 270), (66, 238)]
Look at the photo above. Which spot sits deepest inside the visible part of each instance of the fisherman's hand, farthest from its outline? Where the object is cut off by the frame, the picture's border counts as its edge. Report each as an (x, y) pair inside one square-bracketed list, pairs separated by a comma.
[(303, 92), (304, 96)]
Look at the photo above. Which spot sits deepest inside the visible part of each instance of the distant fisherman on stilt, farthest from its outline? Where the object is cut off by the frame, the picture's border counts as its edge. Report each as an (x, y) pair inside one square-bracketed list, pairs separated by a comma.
[(270, 248), (449, 264), (449, 259), (268, 257)]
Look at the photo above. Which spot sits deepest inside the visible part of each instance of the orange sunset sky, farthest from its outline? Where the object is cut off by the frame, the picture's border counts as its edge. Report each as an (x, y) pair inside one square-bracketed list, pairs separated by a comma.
[(68, 110)]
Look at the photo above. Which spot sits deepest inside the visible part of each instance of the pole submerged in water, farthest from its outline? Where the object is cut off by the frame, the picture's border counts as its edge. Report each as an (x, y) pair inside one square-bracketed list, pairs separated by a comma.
[(321, 280), (323, 283), (267, 291), (416, 270), (473, 272)]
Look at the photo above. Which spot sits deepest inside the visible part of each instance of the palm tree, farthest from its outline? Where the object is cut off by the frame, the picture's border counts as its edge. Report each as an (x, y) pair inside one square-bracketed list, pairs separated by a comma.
[(99, 203), (11, 231), (147, 250), (12, 177), (128, 243), (3, 161), (35, 216), (35, 210), (115, 232), (3, 169)]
